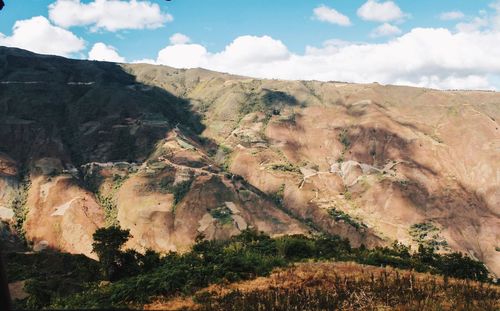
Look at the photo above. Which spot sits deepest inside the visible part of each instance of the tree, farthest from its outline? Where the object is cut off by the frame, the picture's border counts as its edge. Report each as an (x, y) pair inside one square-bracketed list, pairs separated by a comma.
[(107, 245)]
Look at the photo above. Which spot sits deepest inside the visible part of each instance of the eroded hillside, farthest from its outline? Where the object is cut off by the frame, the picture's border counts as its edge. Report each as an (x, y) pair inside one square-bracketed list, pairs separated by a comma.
[(172, 153)]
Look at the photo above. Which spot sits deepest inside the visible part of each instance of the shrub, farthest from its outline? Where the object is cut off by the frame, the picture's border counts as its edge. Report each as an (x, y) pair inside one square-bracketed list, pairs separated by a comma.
[(180, 190)]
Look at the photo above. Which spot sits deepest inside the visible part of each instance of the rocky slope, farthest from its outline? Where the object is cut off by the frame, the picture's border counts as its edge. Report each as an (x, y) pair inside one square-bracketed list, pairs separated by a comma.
[(172, 153)]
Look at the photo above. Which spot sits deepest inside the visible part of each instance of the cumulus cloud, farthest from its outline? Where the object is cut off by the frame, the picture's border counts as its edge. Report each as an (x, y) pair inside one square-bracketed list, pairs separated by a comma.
[(451, 15), (385, 30), (110, 15), (332, 16), (103, 52), (179, 38), (37, 34), (183, 56), (373, 10), (244, 51)]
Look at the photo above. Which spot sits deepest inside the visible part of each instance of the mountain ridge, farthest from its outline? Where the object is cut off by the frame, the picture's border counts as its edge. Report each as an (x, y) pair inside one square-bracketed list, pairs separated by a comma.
[(369, 162)]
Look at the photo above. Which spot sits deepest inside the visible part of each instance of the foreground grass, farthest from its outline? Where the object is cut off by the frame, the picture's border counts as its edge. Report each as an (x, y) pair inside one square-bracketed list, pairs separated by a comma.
[(341, 286)]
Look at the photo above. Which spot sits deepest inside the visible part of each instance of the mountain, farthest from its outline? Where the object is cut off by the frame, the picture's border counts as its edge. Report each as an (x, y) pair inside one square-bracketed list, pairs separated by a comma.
[(171, 153)]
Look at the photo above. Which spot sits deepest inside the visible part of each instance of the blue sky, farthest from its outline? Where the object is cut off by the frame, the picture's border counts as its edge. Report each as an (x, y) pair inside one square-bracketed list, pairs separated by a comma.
[(286, 29)]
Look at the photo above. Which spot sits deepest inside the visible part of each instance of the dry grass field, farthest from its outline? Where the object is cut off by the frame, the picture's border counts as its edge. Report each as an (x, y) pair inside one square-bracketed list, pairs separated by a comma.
[(341, 286)]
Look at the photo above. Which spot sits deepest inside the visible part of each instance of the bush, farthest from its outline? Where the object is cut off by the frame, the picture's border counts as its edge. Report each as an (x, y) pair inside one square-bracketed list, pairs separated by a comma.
[(296, 247), (180, 190)]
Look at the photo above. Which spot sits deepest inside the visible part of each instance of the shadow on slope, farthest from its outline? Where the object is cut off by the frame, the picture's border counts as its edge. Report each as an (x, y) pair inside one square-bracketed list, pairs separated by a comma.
[(82, 111)]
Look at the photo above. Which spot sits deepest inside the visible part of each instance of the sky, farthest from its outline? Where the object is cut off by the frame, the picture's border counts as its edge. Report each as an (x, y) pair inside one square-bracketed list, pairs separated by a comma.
[(445, 44)]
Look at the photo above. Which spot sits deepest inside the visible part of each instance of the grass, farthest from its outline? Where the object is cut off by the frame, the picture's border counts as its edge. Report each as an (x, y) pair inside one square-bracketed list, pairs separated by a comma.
[(348, 286)]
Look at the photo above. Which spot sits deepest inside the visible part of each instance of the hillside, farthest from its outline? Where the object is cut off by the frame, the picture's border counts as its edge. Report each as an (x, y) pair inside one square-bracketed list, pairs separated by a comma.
[(170, 153)]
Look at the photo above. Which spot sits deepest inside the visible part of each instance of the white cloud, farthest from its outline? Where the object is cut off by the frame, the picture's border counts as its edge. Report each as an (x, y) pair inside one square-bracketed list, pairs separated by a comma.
[(145, 61), (476, 24), (103, 52), (179, 38), (385, 30), (451, 15), (37, 34), (376, 11), (183, 56), (111, 15), (244, 51), (427, 57), (329, 15)]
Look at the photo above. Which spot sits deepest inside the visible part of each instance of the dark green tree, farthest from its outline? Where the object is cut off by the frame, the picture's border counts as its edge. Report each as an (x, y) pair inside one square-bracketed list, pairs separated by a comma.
[(108, 243)]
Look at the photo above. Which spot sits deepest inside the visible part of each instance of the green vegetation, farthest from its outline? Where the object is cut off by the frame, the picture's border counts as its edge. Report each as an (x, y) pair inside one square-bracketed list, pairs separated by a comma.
[(344, 139), (346, 142), (118, 181), (180, 190), (107, 246), (110, 209), (427, 234), (18, 205), (50, 275), (222, 214), (284, 167), (138, 278), (224, 153), (279, 196), (339, 215)]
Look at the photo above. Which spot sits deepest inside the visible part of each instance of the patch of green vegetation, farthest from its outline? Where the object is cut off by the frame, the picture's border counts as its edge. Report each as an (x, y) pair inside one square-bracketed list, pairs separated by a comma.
[(18, 205), (346, 142), (427, 234), (223, 157), (339, 215), (49, 275), (341, 158), (222, 214), (284, 167), (404, 183), (290, 118), (497, 249), (180, 190), (347, 194), (453, 111), (279, 196), (110, 209), (344, 139), (118, 181), (165, 183), (185, 144), (245, 195)]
